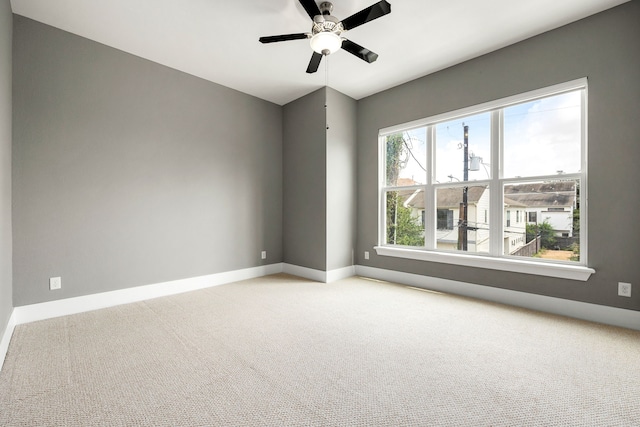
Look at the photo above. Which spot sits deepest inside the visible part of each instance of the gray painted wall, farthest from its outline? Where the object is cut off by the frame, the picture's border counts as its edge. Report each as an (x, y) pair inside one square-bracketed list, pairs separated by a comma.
[(320, 180), (603, 48), (6, 25), (304, 181), (129, 173), (341, 174)]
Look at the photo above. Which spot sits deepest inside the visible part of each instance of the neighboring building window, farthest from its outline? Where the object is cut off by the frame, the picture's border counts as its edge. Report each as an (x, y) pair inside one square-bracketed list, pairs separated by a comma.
[(441, 174), (445, 219)]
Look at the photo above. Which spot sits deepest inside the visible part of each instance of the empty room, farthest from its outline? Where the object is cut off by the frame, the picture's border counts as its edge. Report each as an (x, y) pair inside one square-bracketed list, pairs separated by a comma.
[(308, 213)]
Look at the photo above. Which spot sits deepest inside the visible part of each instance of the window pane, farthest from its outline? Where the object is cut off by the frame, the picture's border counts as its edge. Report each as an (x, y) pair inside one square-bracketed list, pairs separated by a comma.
[(450, 158), (406, 158), (552, 230), (454, 231), (405, 217), (542, 137)]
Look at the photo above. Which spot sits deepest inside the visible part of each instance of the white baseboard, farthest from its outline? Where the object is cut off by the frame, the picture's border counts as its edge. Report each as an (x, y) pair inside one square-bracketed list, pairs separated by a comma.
[(340, 273), (304, 272), (319, 275), (64, 307), (6, 337), (579, 310)]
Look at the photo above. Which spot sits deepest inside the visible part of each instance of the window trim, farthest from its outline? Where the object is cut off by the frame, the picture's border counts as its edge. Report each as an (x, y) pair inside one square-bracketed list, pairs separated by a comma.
[(526, 266), (494, 260)]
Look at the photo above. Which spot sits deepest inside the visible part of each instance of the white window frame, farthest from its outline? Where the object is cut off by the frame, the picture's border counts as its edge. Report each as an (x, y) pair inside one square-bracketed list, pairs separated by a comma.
[(495, 259)]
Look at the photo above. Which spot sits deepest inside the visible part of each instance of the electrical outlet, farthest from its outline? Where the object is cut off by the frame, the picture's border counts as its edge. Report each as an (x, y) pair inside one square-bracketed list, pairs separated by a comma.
[(366, 254), (264, 255), (624, 289), (55, 283)]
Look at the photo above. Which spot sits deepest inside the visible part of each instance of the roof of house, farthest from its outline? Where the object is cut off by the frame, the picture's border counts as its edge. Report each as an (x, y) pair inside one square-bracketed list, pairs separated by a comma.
[(557, 193), (513, 203), (406, 181), (452, 197), (447, 197), (548, 194)]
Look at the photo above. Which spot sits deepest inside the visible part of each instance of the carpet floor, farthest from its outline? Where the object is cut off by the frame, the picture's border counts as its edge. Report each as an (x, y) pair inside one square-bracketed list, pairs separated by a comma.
[(284, 351)]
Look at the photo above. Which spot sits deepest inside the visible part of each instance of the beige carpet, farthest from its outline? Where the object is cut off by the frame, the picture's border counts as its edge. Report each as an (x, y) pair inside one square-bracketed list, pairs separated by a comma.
[(282, 351)]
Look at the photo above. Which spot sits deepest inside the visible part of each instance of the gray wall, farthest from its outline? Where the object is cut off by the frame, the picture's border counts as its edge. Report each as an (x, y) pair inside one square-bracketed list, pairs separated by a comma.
[(304, 181), (129, 173), (320, 180), (603, 48), (341, 179), (6, 305)]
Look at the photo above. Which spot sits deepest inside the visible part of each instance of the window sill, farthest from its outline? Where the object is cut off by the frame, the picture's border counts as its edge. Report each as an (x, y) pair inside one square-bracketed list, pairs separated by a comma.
[(563, 271)]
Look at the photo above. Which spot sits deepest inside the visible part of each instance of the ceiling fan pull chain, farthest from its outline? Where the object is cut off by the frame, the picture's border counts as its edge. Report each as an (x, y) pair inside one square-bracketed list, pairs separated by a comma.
[(326, 84), (326, 71)]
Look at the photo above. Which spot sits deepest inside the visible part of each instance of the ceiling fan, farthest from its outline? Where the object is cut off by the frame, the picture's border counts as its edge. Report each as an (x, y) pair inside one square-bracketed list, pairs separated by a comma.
[(326, 32)]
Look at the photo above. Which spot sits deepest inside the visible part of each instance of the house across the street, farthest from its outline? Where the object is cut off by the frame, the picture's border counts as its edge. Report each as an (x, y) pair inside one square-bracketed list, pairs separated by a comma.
[(553, 202)]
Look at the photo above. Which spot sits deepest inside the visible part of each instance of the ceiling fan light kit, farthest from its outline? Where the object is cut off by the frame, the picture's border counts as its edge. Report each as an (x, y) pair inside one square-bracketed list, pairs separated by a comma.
[(326, 43), (326, 32)]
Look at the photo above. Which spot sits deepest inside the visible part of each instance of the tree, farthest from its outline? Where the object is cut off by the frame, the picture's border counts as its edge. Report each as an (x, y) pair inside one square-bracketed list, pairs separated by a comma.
[(576, 222), (532, 232), (546, 233), (402, 227), (576, 212), (396, 158)]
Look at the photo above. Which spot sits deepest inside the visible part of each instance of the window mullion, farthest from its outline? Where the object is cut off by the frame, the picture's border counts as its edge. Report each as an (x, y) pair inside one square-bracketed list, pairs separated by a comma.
[(429, 194), (583, 179), (496, 210), (382, 206)]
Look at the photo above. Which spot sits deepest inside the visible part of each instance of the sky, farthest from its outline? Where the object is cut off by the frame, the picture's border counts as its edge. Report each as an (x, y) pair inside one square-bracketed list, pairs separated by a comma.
[(541, 137)]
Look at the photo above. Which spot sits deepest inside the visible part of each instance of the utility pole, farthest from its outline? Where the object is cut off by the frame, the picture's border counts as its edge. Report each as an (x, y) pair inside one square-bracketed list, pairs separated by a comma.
[(462, 221)]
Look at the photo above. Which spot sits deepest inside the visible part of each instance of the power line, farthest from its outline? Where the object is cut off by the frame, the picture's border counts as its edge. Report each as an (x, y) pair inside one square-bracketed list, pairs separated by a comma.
[(404, 141)]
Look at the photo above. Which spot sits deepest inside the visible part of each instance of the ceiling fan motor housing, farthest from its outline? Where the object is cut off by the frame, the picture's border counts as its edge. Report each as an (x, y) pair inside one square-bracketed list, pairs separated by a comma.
[(327, 24), (326, 8)]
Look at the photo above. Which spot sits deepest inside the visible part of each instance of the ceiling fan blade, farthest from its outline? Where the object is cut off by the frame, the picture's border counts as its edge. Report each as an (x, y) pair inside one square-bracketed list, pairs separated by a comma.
[(359, 51), (311, 7), (314, 63), (283, 38), (365, 15)]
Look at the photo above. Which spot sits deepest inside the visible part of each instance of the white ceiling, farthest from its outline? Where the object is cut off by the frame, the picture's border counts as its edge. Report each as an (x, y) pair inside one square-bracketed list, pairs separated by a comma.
[(218, 40)]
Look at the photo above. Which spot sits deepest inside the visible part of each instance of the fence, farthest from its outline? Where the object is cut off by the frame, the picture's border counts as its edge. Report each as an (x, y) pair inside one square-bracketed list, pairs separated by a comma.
[(530, 249), (565, 243)]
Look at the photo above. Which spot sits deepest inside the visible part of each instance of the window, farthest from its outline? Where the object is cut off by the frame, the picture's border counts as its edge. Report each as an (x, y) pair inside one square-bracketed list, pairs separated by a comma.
[(451, 182), (445, 219)]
